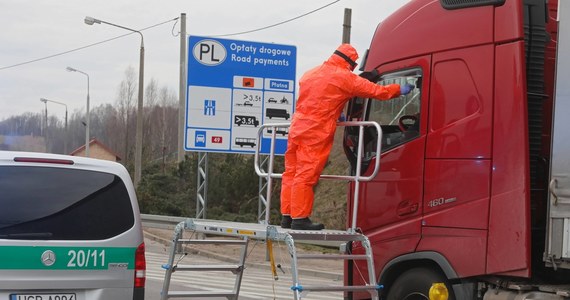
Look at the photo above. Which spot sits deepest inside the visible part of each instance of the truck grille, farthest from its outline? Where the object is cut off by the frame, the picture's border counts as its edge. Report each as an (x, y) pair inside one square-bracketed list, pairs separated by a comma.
[(535, 45)]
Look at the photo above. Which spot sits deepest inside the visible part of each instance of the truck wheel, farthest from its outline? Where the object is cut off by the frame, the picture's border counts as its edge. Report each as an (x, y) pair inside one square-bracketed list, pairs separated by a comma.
[(414, 284)]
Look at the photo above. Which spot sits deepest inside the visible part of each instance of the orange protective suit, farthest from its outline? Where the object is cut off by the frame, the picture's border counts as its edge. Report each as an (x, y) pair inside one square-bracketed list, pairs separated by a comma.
[(323, 93)]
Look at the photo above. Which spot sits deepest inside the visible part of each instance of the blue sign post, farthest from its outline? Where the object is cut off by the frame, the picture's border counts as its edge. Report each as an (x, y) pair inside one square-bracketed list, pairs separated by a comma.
[(233, 88)]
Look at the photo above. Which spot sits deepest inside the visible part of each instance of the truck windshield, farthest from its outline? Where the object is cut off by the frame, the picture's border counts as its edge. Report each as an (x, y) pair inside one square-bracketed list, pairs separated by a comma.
[(62, 204)]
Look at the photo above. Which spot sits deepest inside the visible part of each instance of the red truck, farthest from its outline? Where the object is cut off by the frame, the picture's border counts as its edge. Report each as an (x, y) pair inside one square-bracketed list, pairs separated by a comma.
[(474, 182)]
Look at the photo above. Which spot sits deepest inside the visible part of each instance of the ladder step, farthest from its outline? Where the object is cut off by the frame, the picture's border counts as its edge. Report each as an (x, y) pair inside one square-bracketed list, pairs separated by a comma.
[(183, 294), (334, 288), (209, 242), (324, 236), (233, 268), (332, 256)]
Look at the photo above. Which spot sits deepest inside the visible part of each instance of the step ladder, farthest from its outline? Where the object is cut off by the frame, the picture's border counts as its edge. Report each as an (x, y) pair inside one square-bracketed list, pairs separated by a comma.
[(269, 233), (300, 290), (172, 266)]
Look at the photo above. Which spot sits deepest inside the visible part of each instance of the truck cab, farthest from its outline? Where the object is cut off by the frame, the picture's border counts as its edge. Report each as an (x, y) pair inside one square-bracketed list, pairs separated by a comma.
[(462, 196)]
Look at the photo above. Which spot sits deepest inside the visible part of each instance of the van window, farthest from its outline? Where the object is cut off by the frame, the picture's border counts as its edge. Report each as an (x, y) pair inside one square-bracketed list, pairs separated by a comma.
[(44, 203)]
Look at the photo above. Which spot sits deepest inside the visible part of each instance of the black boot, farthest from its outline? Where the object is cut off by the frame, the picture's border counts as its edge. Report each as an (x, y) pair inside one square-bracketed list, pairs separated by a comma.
[(286, 221), (306, 224)]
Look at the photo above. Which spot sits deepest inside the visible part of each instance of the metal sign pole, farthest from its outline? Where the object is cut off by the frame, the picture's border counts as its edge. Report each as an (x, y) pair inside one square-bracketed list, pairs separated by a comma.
[(202, 186)]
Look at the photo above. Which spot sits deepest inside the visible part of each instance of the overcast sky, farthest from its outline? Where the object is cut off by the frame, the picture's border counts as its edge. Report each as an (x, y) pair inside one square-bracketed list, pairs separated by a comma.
[(34, 29)]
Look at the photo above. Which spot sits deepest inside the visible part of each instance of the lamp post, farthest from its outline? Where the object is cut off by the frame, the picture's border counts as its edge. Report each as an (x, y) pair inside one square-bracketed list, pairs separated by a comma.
[(45, 101), (139, 129), (70, 69)]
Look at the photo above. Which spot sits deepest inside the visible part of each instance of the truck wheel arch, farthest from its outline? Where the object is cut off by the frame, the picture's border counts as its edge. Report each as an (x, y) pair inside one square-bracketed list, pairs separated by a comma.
[(427, 259)]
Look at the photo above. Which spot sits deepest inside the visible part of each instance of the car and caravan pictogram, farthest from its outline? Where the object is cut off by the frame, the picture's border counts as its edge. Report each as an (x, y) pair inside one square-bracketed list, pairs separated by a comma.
[(245, 103), (283, 100), (249, 98)]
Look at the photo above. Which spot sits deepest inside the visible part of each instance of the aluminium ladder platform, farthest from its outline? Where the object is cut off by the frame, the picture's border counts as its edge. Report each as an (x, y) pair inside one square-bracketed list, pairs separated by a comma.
[(269, 233)]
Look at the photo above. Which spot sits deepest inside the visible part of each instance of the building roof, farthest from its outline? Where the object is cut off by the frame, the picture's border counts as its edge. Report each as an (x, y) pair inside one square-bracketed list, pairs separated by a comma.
[(94, 141)]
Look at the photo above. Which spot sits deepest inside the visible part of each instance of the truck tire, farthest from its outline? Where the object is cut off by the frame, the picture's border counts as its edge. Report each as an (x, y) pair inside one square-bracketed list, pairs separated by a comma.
[(415, 283)]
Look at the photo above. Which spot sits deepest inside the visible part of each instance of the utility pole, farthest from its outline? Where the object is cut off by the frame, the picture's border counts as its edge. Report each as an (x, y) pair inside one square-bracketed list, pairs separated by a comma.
[(182, 89), (346, 26), (140, 116)]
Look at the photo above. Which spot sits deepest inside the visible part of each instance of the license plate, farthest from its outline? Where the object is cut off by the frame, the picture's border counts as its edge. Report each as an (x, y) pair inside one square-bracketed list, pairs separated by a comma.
[(67, 296)]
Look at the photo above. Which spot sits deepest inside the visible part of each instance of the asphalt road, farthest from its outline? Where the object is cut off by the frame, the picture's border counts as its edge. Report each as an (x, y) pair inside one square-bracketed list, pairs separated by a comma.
[(257, 283)]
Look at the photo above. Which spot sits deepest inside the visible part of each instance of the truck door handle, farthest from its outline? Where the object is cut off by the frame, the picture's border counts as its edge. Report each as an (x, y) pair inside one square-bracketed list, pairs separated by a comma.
[(406, 208)]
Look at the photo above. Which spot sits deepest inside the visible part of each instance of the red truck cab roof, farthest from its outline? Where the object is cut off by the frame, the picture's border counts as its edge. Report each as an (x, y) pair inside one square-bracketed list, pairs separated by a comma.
[(403, 34)]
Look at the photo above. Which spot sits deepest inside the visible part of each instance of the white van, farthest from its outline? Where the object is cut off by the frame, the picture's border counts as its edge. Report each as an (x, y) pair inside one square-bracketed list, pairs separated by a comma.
[(70, 229)]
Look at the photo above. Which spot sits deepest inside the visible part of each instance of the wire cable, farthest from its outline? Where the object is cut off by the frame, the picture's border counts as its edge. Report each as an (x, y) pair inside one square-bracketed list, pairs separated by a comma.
[(175, 19), (83, 47), (277, 24)]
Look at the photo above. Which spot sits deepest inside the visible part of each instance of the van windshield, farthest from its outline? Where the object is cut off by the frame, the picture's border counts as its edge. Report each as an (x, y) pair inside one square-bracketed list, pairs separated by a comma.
[(62, 204)]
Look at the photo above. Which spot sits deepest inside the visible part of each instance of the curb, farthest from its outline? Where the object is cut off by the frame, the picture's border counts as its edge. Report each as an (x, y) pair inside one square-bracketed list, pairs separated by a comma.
[(266, 266)]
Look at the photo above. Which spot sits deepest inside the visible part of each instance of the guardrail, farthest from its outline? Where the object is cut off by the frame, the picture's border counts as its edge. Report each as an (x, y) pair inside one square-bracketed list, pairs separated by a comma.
[(158, 221)]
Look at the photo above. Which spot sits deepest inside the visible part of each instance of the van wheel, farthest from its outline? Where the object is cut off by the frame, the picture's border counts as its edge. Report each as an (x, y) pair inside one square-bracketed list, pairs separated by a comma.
[(414, 284)]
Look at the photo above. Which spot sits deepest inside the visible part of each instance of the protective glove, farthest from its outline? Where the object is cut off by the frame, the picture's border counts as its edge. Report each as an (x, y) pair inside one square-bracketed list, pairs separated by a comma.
[(406, 88), (341, 118)]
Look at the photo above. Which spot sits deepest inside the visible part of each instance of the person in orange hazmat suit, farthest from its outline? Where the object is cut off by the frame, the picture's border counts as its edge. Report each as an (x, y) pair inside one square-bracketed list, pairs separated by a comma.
[(323, 93)]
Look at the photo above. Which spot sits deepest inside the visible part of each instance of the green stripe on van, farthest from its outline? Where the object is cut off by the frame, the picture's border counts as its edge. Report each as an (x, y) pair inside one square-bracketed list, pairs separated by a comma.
[(66, 258)]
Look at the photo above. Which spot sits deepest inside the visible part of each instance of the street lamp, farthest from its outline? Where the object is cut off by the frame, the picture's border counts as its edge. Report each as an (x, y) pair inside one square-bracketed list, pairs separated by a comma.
[(139, 129), (45, 101), (70, 69)]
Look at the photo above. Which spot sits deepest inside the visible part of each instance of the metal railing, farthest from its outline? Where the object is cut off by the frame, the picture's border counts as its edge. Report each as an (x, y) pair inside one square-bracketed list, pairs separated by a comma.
[(159, 221), (270, 175)]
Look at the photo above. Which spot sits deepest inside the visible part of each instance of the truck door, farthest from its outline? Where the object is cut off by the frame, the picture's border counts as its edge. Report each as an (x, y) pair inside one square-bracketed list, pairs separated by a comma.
[(390, 209), (558, 241)]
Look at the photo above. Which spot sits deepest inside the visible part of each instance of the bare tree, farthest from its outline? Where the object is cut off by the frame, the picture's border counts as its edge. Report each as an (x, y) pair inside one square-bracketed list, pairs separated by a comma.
[(167, 103), (125, 104), (111, 124), (151, 96)]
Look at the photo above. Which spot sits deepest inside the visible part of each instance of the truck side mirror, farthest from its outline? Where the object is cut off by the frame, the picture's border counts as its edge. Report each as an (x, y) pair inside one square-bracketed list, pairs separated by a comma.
[(371, 75)]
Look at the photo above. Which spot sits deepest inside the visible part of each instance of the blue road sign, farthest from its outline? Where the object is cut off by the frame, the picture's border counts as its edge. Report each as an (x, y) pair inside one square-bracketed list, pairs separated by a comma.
[(209, 107), (200, 138), (233, 88)]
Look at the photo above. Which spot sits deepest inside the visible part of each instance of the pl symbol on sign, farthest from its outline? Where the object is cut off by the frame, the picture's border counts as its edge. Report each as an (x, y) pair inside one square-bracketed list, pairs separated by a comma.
[(209, 52)]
